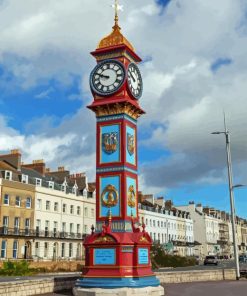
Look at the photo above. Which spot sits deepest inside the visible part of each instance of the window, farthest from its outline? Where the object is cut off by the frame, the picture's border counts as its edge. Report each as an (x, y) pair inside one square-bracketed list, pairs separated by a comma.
[(46, 250), (154, 223), (38, 226), (70, 250), (27, 226), (5, 224), (55, 225), (85, 228), (71, 209), (64, 208), (16, 225), (3, 248), (51, 185), (147, 222), (78, 228), (55, 206), (47, 225), (63, 250), (6, 199), (78, 210), (158, 223), (48, 205), (18, 201), (15, 249), (92, 212), (37, 249), (39, 204), (38, 182), (74, 189), (28, 203), (24, 179), (64, 227), (162, 224), (8, 175), (71, 227), (85, 212)]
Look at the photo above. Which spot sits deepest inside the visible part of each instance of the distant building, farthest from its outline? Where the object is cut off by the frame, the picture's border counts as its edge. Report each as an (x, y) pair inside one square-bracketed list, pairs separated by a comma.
[(213, 230), (167, 225), (43, 214)]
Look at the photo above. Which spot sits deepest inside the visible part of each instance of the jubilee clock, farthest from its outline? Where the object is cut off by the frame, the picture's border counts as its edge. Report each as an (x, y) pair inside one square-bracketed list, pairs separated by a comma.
[(107, 77), (135, 81)]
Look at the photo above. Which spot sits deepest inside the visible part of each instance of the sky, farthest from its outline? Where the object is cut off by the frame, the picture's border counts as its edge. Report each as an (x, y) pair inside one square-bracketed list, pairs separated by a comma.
[(194, 67)]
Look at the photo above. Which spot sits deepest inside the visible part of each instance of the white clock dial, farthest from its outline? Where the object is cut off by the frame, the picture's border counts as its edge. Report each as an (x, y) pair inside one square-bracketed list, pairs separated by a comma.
[(107, 77), (135, 80)]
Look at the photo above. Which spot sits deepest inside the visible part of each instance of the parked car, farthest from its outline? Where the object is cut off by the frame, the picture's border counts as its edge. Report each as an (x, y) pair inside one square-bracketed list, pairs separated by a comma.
[(211, 260)]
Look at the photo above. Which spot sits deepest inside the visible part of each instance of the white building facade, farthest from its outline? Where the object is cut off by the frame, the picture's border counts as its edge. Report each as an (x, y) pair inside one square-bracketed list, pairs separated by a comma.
[(173, 229), (61, 222)]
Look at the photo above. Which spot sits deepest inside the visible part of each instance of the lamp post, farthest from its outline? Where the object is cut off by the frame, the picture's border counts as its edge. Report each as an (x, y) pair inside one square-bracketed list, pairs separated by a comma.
[(231, 187)]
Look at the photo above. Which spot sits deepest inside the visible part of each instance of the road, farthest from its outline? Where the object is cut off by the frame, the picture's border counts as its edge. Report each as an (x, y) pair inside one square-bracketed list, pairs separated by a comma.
[(222, 264), (231, 288)]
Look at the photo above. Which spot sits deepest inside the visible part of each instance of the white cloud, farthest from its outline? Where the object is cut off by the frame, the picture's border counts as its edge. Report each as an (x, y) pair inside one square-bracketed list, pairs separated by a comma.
[(52, 39)]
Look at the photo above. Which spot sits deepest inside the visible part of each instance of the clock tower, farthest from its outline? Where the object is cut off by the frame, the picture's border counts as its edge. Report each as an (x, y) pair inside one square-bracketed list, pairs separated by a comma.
[(118, 250)]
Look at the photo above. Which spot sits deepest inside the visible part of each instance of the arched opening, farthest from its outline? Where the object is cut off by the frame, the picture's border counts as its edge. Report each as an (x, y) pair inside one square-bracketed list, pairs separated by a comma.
[(78, 252), (55, 251), (28, 250)]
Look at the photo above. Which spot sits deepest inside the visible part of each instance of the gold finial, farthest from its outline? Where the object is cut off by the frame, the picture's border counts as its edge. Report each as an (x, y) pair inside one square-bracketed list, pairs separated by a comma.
[(117, 7), (116, 37)]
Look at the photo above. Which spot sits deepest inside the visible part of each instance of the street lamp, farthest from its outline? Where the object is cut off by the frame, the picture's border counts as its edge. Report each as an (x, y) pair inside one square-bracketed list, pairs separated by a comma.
[(231, 187)]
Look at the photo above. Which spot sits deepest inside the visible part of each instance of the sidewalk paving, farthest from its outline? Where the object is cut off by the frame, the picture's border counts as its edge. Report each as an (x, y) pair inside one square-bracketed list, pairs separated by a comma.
[(231, 288)]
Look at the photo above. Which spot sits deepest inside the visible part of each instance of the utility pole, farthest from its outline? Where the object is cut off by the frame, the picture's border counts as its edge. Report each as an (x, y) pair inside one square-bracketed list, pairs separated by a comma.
[(231, 187)]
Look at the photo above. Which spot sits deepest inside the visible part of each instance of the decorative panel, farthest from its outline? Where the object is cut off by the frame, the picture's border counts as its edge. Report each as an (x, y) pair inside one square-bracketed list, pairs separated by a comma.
[(131, 197), (130, 145), (110, 144), (109, 198)]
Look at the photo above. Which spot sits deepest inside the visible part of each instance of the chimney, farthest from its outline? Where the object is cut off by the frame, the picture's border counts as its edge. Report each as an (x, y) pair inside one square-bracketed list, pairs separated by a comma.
[(169, 204), (13, 158), (37, 165)]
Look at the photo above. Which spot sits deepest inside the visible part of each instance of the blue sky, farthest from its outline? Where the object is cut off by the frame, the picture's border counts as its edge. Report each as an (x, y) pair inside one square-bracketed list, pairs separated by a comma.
[(194, 67)]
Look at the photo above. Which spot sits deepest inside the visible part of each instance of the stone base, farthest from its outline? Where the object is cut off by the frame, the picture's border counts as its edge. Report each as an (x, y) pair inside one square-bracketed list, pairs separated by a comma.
[(147, 291)]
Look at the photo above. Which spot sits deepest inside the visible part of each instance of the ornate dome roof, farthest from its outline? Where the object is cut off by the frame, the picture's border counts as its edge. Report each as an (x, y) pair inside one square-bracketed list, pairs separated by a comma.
[(115, 38)]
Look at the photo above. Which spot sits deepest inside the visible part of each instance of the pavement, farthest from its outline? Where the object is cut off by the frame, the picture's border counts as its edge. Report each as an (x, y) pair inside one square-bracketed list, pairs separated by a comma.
[(226, 288), (35, 277), (231, 288)]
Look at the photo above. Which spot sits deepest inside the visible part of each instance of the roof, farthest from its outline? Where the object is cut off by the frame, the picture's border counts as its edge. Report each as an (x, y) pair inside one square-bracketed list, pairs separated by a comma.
[(114, 39)]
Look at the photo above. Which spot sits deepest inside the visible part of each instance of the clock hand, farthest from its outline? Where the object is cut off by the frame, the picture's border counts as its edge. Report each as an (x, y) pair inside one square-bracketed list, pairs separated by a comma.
[(132, 76), (104, 76)]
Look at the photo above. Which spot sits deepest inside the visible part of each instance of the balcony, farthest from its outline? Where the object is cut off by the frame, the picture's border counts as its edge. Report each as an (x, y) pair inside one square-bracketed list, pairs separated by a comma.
[(36, 233)]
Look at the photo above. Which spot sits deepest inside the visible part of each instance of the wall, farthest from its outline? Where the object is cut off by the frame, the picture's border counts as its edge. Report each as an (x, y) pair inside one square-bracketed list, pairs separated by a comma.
[(196, 276), (42, 286)]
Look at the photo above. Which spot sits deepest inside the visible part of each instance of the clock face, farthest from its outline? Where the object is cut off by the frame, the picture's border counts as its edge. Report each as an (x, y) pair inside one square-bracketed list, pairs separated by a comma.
[(107, 77), (135, 80)]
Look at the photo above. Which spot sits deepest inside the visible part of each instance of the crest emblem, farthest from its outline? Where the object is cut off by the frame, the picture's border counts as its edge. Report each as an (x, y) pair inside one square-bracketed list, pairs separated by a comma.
[(130, 144), (110, 142), (109, 196), (131, 197)]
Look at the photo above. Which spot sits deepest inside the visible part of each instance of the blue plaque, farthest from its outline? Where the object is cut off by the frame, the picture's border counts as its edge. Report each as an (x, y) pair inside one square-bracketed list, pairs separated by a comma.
[(104, 256), (143, 256)]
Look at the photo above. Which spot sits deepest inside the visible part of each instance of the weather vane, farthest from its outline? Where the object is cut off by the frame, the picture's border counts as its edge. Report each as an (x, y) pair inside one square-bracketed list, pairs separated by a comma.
[(117, 7)]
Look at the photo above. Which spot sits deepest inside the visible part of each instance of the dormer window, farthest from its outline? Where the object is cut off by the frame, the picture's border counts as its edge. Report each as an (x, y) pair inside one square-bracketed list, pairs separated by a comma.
[(74, 189), (51, 184), (8, 175), (38, 182), (64, 185), (24, 179)]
